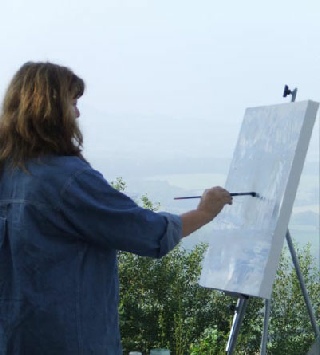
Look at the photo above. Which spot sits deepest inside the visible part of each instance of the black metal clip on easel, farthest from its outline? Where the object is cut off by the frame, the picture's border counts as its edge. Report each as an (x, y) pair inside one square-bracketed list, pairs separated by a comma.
[(287, 92)]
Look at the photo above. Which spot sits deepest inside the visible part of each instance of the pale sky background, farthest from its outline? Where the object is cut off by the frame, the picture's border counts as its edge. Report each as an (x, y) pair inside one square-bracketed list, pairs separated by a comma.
[(169, 78)]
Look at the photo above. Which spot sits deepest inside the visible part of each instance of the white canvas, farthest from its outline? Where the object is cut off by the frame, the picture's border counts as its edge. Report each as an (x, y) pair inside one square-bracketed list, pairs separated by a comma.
[(247, 237)]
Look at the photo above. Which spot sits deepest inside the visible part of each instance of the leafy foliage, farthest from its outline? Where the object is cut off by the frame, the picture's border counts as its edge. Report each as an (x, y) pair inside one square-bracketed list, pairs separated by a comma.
[(290, 327), (162, 305), (208, 343), (119, 184)]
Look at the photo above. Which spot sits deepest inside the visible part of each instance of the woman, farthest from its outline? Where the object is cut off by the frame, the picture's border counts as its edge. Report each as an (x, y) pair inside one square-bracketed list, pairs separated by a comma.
[(61, 224)]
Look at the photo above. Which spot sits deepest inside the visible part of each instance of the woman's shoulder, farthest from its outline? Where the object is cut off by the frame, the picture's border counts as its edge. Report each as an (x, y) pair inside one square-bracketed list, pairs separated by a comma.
[(57, 167), (68, 163)]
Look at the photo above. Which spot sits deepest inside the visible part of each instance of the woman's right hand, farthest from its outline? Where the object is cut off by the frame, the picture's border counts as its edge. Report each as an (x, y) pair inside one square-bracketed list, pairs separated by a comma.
[(213, 200)]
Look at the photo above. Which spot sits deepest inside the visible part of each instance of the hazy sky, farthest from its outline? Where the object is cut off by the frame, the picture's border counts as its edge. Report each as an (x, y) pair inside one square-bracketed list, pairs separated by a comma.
[(169, 77)]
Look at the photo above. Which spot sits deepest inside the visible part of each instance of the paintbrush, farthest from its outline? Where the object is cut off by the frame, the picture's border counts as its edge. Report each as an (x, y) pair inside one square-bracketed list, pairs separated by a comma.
[(253, 194)]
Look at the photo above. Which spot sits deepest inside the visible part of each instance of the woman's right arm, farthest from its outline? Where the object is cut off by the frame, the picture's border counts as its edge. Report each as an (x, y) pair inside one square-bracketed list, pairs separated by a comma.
[(212, 202)]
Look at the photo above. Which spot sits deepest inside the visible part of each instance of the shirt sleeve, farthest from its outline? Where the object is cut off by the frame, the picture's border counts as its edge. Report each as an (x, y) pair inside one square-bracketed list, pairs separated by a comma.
[(101, 215)]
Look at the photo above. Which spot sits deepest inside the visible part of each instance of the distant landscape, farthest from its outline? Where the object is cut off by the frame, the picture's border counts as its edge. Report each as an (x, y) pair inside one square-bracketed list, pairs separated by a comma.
[(163, 180)]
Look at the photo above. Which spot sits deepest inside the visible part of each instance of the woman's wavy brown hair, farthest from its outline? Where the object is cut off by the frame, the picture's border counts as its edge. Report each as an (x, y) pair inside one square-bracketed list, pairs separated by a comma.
[(36, 118)]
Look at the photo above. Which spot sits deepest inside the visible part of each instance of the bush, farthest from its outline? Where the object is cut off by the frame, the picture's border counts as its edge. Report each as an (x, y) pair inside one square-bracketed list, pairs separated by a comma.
[(162, 305)]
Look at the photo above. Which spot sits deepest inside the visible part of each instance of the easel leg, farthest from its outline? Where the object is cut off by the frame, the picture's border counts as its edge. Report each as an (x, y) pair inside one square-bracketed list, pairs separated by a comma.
[(264, 339), (295, 261), (236, 324), (243, 302)]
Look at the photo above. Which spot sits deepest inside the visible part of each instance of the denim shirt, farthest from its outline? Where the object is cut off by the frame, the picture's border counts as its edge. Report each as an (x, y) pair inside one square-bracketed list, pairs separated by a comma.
[(61, 225)]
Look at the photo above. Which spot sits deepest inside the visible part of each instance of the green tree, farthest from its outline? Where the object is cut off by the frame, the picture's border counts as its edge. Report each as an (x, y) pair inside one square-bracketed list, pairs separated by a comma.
[(290, 331), (209, 343), (290, 327), (119, 184), (162, 305)]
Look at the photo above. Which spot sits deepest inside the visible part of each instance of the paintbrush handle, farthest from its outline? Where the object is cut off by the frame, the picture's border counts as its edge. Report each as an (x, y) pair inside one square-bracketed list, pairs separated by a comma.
[(253, 194), (186, 197)]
